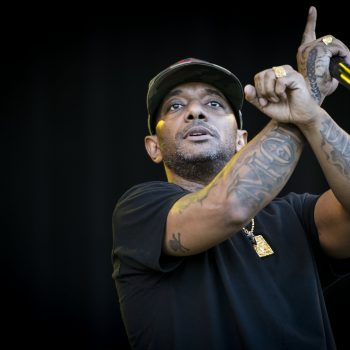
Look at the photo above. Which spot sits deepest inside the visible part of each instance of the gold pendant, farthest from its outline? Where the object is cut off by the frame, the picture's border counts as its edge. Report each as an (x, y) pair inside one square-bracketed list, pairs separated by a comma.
[(261, 247)]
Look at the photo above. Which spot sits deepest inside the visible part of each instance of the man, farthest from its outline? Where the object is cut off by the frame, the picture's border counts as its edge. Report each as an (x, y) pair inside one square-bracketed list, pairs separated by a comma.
[(213, 259)]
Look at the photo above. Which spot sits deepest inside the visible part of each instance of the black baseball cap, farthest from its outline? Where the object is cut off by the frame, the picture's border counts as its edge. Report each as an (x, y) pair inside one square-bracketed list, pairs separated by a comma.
[(194, 70)]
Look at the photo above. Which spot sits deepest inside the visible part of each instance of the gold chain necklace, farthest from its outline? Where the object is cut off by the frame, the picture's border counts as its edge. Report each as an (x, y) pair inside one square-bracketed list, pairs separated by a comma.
[(260, 246), (250, 233)]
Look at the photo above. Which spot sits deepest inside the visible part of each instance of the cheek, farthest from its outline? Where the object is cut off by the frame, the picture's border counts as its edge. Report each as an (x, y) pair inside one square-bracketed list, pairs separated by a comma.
[(229, 127), (166, 137), (160, 126), (162, 132), (167, 130)]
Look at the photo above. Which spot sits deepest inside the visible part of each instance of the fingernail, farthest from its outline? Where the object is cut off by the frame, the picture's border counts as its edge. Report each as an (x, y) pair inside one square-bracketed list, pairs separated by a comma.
[(262, 102)]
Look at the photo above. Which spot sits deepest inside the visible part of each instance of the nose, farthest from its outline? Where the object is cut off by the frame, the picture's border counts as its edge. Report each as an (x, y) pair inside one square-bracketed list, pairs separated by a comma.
[(195, 111)]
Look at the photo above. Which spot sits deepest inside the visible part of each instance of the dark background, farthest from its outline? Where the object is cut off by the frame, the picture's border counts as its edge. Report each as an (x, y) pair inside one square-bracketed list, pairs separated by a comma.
[(73, 118)]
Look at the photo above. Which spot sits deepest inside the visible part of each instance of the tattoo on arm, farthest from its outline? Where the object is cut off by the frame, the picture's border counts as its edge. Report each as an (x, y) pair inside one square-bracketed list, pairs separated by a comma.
[(336, 145), (176, 245), (267, 168), (196, 197), (311, 75)]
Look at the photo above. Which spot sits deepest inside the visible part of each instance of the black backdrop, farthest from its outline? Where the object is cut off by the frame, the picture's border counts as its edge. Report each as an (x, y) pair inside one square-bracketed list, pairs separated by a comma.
[(73, 118)]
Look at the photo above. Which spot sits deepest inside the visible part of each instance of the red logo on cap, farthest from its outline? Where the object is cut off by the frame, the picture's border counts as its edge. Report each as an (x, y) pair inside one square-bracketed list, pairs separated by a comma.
[(185, 60)]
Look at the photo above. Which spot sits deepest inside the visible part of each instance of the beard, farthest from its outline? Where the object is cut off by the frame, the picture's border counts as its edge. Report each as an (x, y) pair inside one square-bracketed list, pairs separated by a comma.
[(200, 162)]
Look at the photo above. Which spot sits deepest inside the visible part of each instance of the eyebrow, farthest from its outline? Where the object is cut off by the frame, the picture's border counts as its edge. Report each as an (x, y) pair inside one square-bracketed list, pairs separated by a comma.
[(209, 91), (174, 93), (214, 92)]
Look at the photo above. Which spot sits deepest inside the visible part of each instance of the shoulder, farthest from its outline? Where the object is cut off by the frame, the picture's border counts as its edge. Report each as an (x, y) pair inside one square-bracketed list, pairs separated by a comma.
[(301, 205), (293, 212), (150, 188), (297, 200), (146, 194)]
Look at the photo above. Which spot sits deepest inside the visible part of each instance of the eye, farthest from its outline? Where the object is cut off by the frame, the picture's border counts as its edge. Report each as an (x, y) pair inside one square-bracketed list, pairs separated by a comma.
[(175, 106), (215, 104)]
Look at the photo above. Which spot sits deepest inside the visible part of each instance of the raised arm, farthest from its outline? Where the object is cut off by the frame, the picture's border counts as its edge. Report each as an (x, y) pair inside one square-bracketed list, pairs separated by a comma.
[(250, 180), (330, 144), (313, 58), (257, 173)]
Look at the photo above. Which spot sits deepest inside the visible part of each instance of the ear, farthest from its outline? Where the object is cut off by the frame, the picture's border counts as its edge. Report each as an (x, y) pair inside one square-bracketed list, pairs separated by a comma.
[(152, 148), (241, 139)]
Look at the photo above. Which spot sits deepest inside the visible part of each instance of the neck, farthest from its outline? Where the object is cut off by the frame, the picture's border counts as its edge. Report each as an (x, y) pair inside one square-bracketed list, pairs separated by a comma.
[(184, 183), (189, 185), (193, 176)]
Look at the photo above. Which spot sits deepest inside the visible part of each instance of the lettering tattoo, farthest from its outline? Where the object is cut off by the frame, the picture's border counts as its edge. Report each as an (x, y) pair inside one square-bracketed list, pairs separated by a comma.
[(267, 168), (255, 176), (311, 75), (176, 245), (336, 145)]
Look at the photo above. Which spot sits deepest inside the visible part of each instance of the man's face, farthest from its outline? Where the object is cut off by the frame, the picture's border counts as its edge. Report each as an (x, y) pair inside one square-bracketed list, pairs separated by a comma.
[(195, 125)]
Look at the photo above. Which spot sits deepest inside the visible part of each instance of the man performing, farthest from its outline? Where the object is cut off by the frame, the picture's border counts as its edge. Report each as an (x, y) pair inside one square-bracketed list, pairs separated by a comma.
[(213, 258)]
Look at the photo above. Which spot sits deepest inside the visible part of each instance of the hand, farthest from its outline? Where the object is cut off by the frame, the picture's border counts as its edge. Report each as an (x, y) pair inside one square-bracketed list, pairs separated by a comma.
[(313, 59), (285, 99)]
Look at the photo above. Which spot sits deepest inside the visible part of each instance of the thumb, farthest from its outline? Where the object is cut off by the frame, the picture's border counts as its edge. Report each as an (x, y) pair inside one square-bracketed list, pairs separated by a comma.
[(252, 97)]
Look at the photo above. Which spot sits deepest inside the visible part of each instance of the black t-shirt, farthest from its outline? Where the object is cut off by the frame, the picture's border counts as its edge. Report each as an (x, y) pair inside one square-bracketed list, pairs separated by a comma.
[(226, 297)]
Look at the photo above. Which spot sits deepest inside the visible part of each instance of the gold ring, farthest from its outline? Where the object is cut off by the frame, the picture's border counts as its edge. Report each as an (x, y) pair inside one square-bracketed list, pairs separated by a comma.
[(280, 72), (327, 39)]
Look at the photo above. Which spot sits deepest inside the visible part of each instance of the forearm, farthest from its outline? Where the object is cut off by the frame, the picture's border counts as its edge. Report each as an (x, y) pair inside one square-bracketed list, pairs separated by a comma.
[(248, 182), (331, 145), (258, 173)]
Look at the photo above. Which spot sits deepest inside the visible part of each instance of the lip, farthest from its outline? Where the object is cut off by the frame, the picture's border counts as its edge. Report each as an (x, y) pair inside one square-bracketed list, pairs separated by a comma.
[(202, 132)]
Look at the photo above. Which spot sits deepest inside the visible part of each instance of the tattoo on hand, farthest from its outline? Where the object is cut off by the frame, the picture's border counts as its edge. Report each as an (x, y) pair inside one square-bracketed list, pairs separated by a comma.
[(176, 245), (311, 75), (336, 145)]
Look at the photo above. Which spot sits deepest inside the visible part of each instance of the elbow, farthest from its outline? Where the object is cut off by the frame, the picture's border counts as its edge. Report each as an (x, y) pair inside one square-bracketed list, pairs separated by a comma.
[(238, 213)]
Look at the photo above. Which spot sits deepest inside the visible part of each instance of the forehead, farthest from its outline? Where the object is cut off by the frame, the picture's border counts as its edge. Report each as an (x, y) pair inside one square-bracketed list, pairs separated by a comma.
[(197, 88)]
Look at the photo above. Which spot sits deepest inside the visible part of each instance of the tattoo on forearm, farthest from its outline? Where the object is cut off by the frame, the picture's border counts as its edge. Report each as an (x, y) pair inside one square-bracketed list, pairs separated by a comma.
[(176, 245), (268, 168), (336, 145), (311, 74)]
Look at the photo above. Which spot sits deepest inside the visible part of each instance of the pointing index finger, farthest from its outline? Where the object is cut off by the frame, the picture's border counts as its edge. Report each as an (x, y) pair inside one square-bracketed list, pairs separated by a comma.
[(309, 31)]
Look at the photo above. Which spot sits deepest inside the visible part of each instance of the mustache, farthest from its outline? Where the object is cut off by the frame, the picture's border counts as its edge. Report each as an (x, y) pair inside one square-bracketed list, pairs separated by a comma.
[(197, 122)]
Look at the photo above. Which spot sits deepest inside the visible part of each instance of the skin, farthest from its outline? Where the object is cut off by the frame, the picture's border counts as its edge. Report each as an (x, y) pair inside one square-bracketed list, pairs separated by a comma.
[(313, 59), (330, 144), (184, 108), (223, 201)]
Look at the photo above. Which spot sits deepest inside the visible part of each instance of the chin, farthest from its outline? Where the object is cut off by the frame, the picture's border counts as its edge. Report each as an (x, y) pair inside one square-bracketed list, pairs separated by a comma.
[(202, 156)]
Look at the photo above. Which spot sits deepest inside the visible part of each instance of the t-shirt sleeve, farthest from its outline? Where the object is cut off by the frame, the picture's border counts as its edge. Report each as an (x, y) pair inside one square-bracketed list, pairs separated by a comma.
[(304, 206), (329, 268), (139, 221)]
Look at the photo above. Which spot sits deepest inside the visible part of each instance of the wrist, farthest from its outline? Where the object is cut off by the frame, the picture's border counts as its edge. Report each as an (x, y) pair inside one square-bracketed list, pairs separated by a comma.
[(314, 123), (294, 129)]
